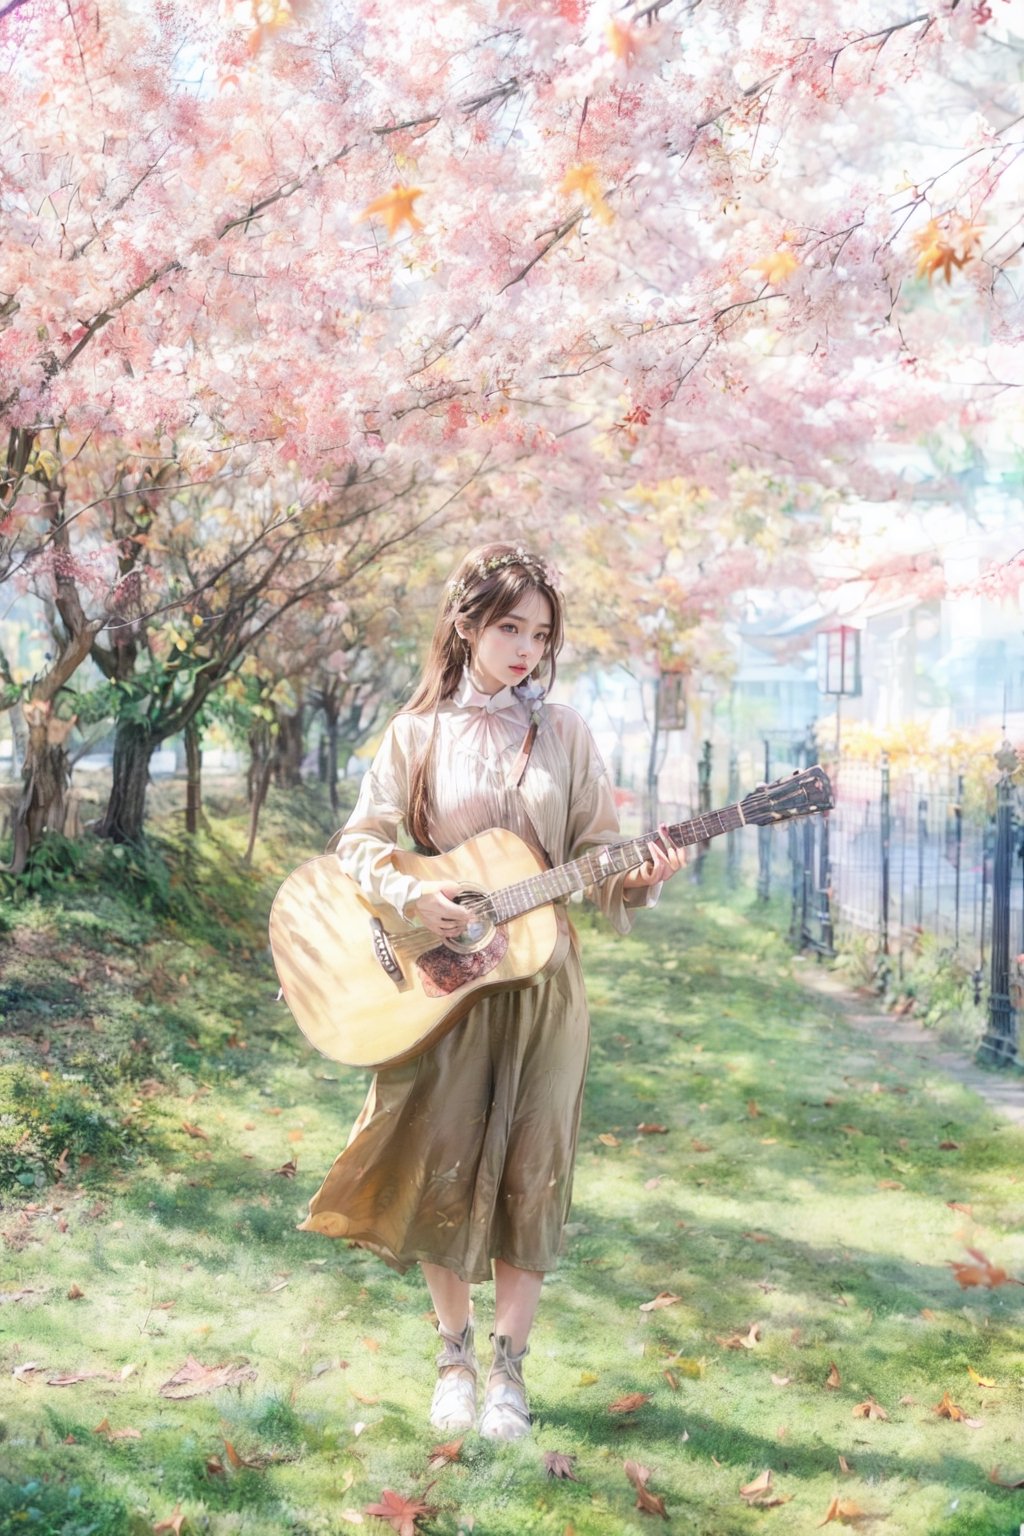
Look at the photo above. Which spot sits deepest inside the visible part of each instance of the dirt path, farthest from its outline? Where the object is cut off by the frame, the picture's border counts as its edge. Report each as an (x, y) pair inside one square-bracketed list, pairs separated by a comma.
[(1002, 1090)]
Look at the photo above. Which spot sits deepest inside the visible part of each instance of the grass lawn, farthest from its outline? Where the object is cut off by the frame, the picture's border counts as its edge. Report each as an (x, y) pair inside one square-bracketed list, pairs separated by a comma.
[(795, 1197)]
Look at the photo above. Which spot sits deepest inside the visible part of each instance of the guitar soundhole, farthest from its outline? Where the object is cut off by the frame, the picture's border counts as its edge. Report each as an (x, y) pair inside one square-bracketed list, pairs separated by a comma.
[(444, 970)]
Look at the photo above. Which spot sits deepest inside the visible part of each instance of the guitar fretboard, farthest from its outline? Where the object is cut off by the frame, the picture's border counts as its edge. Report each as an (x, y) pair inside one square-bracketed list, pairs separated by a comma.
[(601, 864)]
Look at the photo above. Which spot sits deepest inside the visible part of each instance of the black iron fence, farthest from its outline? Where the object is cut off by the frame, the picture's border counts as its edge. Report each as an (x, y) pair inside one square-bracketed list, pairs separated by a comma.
[(909, 854)]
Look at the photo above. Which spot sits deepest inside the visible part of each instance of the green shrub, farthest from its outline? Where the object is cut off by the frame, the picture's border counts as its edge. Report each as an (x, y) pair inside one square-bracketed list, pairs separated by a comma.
[(41, 1508), (140, 871), (54, 862), (40, 1119)]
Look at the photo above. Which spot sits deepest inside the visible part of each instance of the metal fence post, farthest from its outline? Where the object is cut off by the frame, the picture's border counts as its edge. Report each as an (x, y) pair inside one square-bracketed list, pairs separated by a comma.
[(732, 839), (959, 849), (827, 946), (922, 838), (885, 834), (764, 838), (703, 804), (797, 884), (999, 1042)]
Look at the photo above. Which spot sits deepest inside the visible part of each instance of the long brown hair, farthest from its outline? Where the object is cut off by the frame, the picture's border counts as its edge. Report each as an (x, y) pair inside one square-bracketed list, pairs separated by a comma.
[(485, 586)]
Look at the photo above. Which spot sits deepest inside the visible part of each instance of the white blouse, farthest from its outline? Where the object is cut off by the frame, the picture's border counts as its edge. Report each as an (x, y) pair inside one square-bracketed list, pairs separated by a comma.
[(563, 806)]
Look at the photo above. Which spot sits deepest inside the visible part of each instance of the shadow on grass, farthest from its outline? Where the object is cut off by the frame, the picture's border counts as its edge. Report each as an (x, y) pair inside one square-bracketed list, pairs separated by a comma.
[(660, 1430)]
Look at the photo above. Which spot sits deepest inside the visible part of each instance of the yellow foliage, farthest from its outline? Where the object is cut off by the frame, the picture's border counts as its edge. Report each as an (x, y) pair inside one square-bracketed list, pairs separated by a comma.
[(395, 208), (622, 41), (583, 181), (941, 248), (778, 267)]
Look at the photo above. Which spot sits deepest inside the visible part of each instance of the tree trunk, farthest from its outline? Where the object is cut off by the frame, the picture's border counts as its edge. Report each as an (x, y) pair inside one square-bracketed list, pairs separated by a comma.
[(125, 814), (19, 740), (288, 749), (332, 760), (261, 764), (193, 786), (46, 776)]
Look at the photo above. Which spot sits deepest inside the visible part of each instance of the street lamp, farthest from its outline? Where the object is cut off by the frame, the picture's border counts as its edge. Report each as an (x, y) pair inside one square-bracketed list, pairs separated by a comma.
[(839, 666)]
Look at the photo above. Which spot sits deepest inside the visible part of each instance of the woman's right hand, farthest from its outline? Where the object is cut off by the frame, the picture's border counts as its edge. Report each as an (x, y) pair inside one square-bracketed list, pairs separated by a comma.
[(436, 910)]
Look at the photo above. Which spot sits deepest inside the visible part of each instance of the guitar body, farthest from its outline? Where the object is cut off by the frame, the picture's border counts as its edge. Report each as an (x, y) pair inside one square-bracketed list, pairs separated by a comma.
[(369, 989)]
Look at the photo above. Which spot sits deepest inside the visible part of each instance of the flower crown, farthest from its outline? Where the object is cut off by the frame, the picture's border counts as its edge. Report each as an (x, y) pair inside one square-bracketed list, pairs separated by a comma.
[(519, 556)]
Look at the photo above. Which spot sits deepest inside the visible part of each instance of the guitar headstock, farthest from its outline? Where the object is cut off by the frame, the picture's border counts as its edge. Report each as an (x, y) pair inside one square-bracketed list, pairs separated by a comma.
[(798, 794)]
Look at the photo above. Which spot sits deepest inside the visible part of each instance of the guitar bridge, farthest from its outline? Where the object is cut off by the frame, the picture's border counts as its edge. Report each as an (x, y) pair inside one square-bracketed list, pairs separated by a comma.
[(385, 954)]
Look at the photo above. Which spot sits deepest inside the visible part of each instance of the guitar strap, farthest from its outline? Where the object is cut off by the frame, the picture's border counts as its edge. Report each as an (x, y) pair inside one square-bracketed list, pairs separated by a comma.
[(517, 772)]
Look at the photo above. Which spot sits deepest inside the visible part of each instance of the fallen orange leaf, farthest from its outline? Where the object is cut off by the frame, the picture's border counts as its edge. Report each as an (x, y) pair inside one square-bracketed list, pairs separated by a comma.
[(742, 1341), (649, 1503), (608, 1140), (947, 1409), (172, 1524), (869, 1409), (833, 1380), (981, 1272), (842, 1509), (443, 1455), (652, 1130), (761, 1493), (104, 1428), (630, 1403), (1015, 1480), (193, 1378), (401, 1514), (194, 1130), (556, 1464), (663, 1299)]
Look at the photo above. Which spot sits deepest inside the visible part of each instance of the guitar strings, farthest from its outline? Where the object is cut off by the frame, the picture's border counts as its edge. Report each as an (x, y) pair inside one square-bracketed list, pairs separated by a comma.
[(419, 941)]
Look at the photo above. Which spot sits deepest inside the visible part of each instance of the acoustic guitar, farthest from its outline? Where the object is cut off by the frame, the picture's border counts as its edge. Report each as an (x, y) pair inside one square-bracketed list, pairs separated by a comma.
[(370, 989)]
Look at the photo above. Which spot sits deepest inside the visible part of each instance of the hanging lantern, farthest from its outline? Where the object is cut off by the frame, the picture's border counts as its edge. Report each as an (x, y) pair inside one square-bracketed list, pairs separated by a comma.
[(839, 661), (672, 700)]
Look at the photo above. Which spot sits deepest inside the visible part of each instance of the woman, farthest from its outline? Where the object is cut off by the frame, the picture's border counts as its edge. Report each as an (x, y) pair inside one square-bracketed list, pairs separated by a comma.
[(462, 1159)]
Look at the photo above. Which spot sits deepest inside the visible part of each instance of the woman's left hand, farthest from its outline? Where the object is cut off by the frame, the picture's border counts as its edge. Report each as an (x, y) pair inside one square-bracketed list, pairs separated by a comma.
[(665, 861)]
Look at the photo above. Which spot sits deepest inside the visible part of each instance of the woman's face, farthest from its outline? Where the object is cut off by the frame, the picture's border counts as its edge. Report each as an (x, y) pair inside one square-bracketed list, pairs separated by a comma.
[(505, 653)]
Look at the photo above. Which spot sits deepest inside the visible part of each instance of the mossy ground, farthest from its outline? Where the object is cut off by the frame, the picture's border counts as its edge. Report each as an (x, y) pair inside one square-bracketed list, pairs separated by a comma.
[(801, 1184)]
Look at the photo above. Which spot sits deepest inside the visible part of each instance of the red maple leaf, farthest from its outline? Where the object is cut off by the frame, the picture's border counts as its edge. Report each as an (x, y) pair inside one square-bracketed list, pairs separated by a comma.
[(400, 1513)]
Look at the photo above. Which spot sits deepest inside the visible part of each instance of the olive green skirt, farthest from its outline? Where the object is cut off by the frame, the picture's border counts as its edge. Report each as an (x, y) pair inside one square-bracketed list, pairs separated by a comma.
[(465, 1155)]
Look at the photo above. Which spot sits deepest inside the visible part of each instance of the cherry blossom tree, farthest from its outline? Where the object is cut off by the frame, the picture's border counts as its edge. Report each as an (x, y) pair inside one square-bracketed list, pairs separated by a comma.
[(661, 235), (587, 249)]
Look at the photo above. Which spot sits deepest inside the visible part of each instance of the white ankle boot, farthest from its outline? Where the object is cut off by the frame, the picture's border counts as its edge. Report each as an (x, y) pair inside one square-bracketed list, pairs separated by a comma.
[(506, 1413), (454, 1401)]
